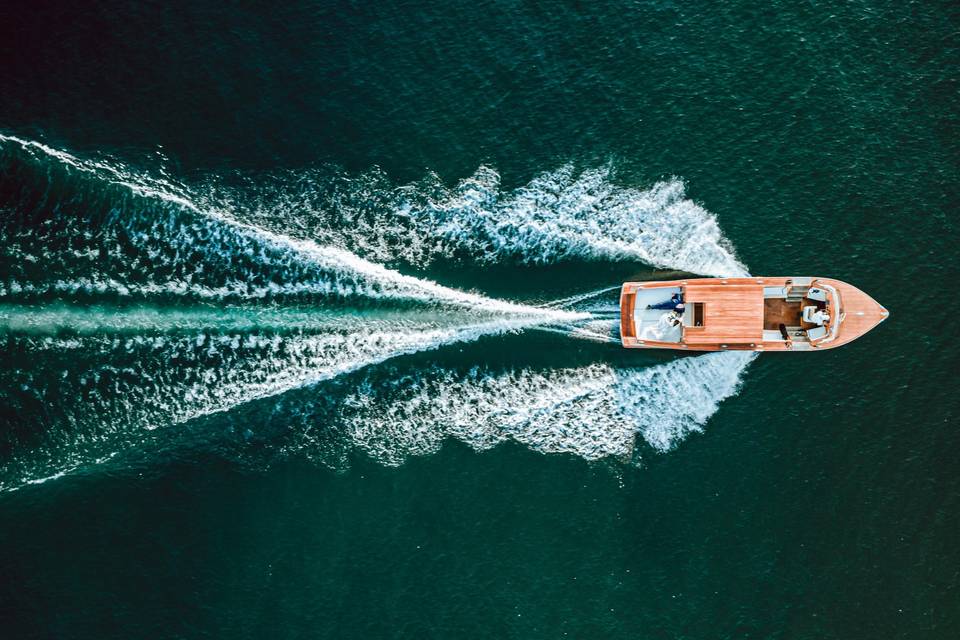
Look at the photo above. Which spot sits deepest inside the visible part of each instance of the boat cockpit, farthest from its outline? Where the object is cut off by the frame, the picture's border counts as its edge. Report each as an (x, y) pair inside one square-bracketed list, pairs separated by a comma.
[(801, 312)]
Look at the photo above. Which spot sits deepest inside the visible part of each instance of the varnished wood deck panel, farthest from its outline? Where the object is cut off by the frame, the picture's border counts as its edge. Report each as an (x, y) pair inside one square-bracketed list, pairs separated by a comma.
[(733, 313), (627, 301)]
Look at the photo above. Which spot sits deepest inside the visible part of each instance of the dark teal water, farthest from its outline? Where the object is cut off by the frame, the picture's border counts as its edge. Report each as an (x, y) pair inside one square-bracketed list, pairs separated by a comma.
[(294, 340)]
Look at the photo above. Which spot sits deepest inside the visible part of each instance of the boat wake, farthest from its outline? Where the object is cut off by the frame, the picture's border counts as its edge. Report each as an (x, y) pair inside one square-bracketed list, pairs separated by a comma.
[(558, 216), (145, 240), (76, 399), (128, 303), (593, 412)]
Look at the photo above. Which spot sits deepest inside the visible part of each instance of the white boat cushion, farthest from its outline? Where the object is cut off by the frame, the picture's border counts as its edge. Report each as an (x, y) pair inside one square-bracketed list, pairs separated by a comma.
[(816, 333), (817, 294)]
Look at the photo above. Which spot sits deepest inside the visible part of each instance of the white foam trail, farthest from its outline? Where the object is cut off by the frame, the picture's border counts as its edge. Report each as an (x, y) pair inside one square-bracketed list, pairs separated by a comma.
[(380, 281), (668, 402), (572, 300), (99, 285), (56, 318), (161, 381), (592, 412), (598, 330), (562, 214), (317, 358), (577, 332), (559, 215)]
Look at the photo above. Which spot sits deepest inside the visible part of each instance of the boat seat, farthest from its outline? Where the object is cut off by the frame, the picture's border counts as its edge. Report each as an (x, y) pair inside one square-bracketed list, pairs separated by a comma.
[(790, 293), (814, 316), (817, 294), (816, 333)]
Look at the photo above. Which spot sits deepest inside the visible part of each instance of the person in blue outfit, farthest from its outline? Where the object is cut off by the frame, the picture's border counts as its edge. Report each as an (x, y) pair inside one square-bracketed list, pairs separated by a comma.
[(675, 303)]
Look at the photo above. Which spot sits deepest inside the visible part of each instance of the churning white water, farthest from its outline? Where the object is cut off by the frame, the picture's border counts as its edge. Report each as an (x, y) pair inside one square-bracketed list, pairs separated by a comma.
[(132, 303)]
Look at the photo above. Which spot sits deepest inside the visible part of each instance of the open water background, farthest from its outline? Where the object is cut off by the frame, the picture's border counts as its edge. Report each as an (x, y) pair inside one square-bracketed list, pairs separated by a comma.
[(291, 344)]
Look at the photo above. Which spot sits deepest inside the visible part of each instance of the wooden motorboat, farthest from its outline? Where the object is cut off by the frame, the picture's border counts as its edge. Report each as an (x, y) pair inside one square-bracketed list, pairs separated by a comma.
[(752, 314)]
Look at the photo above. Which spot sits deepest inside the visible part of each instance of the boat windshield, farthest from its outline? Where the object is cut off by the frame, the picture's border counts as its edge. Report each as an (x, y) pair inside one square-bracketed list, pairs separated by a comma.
[(834, 312)]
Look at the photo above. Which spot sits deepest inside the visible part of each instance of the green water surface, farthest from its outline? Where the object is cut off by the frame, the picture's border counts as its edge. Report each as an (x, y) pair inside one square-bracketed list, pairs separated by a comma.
[(822, 501)]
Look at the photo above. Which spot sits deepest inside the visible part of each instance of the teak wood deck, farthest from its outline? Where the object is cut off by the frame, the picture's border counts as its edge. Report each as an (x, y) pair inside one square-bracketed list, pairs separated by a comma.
[(733, 313), (627, 327)]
